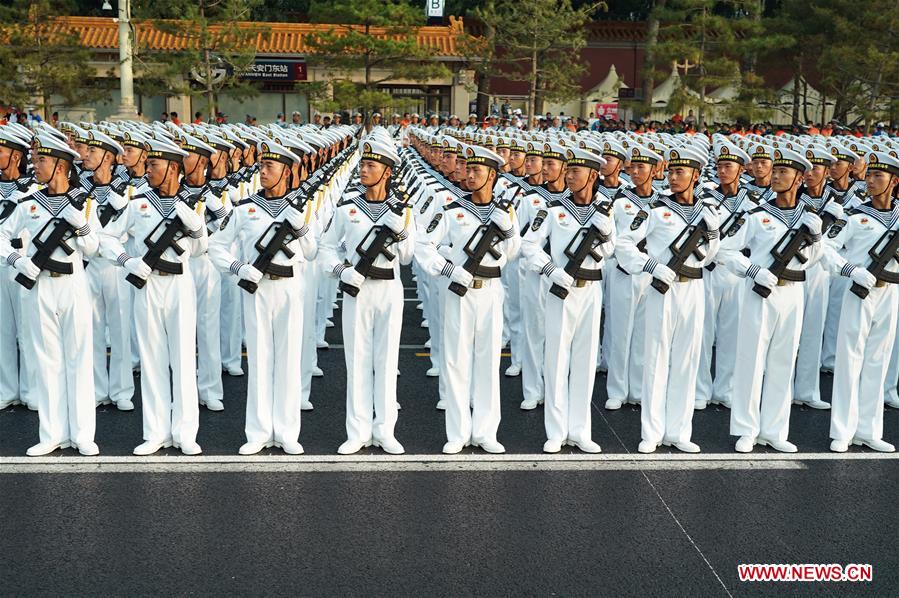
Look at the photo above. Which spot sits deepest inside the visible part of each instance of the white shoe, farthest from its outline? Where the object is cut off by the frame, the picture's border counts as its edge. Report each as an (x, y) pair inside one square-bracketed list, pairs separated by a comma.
[(441, 404), (427, 344), (685, 447), (613, 404), (103, 402), (699, 405), (513, 370), (552, 446), (292, 447), (779, 445), (420, 307), (251, 448), (433, 373), (45, 448), (839, 446), (31, 406), (646, 447), (89, 449), (351, 447), (881, 446), (149, 447), (334, 305), (317, 372), (9, 403), (814, 404), (891, 402), (586, 446), (492, 446), (635, 402), (451, 448), (722, 402), (329, 324), (236, 372), (190, 449), (390, 445), (306, 406), (745, 444), (424, 323), (529, 404), (321, 344), (212, 404)]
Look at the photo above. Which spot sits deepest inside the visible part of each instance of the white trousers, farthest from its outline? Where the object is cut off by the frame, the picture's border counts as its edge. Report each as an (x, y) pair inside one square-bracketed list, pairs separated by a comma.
[(624, 355), (166, 314), (58, 314), (111, 301), (372, 322), (866, 335), (309, 271), (572, 343), (723, 304), (838, 285), (231, 324), (533, 289), (274, 329), (208, 283), (512, 310), (807, 380), (14, 364), (673, 333), (892, 377), (472, 332), (766, 355)]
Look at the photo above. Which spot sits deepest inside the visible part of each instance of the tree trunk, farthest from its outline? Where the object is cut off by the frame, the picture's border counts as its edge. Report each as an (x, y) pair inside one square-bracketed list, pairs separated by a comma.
[(795, 115), (483, 75), (701, 119), (652, 37), (532, 87)]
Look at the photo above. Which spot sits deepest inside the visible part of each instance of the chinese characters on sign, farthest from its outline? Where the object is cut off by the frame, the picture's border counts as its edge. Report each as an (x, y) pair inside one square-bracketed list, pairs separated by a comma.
[(276, 70)]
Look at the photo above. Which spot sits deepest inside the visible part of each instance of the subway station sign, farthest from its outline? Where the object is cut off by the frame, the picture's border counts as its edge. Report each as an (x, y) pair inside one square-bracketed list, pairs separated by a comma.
[(275, 70)]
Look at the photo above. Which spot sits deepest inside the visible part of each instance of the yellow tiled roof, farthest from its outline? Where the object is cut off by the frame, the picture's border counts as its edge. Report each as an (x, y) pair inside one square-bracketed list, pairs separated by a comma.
[(278, 38)]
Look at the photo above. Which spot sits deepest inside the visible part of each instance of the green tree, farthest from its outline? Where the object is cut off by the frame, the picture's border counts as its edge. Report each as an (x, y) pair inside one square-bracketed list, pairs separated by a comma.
[(538, 41), (376, 38), (41, 62), (215, 45)]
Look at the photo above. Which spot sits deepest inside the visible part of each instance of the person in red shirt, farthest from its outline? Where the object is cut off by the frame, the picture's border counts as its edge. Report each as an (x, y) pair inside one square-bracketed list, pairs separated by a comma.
[(198, 118), (175, 120)]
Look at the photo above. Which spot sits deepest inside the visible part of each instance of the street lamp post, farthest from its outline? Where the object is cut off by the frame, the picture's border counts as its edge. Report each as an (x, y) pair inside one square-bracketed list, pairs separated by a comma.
[(127, 109)]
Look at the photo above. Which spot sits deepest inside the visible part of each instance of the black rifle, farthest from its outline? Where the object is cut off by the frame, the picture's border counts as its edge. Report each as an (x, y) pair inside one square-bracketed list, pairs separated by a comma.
[(790, 246), (58, 232), (165, 236), (882, 253), (590, 239), (686, 244), (477, 251), (7, 207), (379, 245)]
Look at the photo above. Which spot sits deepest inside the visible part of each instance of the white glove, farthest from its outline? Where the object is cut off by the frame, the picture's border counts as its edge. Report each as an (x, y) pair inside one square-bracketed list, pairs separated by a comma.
[(602, 223), (835, 210), (190, 219), (138, 267), (501, 218), (561, 278), (73, 216), (863, 278), (352, 277), (766, 278), (27, 267), (664, 273), (712, 219), (461, 276), (812, 222), (294, 217), (117, 201), (395, 222), (249, 272)]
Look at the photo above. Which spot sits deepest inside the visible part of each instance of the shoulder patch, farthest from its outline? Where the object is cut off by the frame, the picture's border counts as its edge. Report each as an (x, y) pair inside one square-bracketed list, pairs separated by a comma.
[(735, 227), (835, 229), (756, 210), (433, 225), (538, 220), (424, 206), (638, 220)]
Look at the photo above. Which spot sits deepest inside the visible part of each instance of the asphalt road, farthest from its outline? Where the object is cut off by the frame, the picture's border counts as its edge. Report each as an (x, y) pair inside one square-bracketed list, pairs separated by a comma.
[(523, 525)]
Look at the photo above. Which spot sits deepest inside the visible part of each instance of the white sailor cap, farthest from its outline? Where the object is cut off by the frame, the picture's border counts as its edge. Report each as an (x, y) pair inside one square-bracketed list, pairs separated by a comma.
[(884, 160), (819, 155), (48, 145), (380, 151), (104, 141), (134, 139), (481, 155), (554, 151), (760, 151), (791, 159), (195, 145), (294, 144), (642, 154), (472, 115), (841, 152), (610, 147), (725, 151), (687, 156), (12, 141), (220, 145), (270, 150), (576, 156), (160, 148)]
